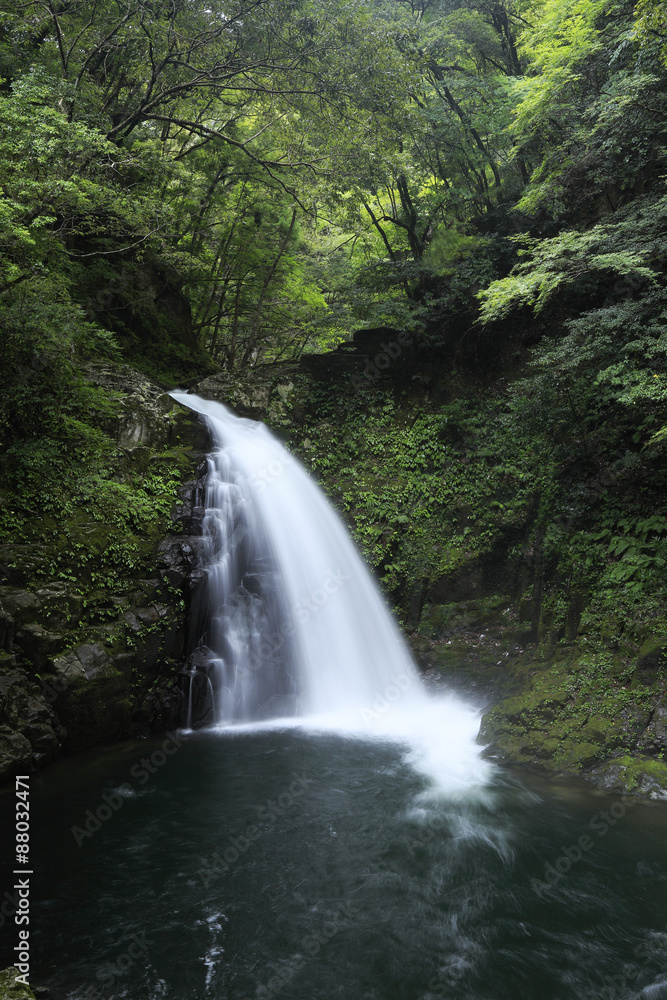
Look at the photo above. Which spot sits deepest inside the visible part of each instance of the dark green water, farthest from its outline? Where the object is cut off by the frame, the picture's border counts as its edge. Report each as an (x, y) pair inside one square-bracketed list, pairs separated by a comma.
[(335, 876)]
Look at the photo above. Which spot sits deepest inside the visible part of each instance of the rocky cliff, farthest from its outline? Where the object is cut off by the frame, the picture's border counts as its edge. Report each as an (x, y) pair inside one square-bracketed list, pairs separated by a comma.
[(94, 597)]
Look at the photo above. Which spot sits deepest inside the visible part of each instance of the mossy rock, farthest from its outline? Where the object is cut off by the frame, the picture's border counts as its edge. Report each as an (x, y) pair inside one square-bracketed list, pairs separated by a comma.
[(652, 656), (10, 989), (632, 774), (547, 725), (96, 711), (540, 703), (572, 755), (545, 748), (653, 739)]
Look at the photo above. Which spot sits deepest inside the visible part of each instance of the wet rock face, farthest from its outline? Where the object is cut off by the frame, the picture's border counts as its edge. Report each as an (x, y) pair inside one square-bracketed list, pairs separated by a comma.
[(187, 516), (82, 664), (6, 631), (15, 752), (29, 730), (146, 416), (546, 726), (197, 687), (653, 740), (638, 775)]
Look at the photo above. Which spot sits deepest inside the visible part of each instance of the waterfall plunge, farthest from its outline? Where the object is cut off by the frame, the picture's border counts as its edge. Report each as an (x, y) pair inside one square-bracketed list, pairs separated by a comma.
[(297, 629)]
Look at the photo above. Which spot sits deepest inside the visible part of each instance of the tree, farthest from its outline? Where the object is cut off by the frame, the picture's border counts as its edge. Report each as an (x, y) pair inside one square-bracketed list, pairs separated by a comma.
[(589, 116), (651, 24)]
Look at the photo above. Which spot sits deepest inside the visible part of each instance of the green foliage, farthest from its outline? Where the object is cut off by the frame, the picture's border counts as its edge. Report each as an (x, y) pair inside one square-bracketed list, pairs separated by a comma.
[(243, 194), (425, 493), (589, 113), (229, 187), (70, 491), (580, 263), (651, 25)]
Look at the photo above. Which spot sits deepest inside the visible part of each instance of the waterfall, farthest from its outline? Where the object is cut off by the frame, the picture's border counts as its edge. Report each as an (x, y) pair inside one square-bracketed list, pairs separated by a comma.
[(295, 626)]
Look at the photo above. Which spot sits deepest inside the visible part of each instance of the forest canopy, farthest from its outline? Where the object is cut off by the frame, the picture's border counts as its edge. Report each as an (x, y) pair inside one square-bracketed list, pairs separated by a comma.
[(194, 188), (227, 185)]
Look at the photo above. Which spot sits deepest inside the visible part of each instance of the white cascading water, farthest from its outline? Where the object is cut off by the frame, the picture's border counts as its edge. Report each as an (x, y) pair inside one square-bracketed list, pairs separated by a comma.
[(297, 630)]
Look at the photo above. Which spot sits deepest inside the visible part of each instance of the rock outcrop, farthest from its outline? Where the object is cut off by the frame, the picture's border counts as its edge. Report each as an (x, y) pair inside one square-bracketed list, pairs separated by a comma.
[(88, 657)]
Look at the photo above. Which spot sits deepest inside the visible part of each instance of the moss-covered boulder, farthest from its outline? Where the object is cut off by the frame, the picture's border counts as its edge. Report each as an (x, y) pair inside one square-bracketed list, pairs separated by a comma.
[(11, 989), (652, 659), (653, 739), (30, 731), (628, 773), (578, 714)]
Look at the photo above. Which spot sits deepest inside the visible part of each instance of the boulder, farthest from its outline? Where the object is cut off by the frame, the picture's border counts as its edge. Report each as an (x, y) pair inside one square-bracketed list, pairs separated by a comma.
[(631, 774), (68, 667), (93, 658), (15, 752), (43, 741), (6, 630), (652, 656), (37, 644), (23, 605), (653, 739)]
